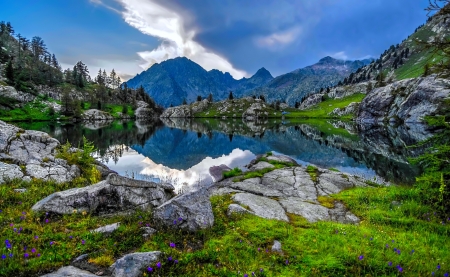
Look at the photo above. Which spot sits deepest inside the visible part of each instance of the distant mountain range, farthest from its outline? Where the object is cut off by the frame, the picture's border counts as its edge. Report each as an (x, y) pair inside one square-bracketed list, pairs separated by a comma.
[(172, 81)]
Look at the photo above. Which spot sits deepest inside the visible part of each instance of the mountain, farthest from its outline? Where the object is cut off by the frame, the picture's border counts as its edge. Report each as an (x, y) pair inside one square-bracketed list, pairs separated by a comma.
[(172, 81), (295, 85)]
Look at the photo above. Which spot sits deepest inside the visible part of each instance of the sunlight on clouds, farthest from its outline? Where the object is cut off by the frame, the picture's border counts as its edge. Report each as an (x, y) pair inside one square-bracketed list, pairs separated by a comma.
[(340, 56), (278, 40), (157, 21)]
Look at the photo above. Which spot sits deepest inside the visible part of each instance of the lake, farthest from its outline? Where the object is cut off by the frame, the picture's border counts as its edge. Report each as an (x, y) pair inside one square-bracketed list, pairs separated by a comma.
[(181, 151)]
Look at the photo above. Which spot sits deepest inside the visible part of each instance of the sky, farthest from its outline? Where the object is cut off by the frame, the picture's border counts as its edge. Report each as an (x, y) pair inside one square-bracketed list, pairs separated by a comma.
[(235, 36)]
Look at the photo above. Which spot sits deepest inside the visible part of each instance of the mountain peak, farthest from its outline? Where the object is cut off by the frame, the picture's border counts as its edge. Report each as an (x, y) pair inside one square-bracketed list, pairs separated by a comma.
[(327, 59), (263, 73)]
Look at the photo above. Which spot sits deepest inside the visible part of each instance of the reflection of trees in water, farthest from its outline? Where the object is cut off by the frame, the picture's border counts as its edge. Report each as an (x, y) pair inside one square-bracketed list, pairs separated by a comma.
[(110, 140)]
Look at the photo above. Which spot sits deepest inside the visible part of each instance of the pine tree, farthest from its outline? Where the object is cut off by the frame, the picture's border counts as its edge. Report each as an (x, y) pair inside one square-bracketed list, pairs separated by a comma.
[(210, 98), (112, 77), (10, 72), (230, 96), (184, 101), (199, 98)]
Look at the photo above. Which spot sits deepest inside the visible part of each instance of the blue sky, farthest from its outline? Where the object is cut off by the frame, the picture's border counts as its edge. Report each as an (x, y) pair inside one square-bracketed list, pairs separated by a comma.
[(238, 36)]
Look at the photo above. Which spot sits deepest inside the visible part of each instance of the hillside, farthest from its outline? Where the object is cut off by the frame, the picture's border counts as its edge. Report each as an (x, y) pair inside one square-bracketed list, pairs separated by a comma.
[(175, 80)]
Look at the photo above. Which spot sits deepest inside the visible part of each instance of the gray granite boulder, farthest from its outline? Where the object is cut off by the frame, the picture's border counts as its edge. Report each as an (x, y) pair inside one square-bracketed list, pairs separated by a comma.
[(94, 115), (191, 211), (237, 209), (134, 264), (276, 247), (261, 165), (262, 206), (107, 229), (115, 194), (216, 172), (9, 172), (70, 271)]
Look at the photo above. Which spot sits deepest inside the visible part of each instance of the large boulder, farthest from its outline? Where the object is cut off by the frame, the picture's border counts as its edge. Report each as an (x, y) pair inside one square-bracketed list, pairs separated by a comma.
[(143, 111), (190, 211), (134, 264), (254, 111), (34, 152), (406, 101), (115, 194), (216, 172), (351, 109), (186, 110), (311, 101), (15, 96), (94, 115)]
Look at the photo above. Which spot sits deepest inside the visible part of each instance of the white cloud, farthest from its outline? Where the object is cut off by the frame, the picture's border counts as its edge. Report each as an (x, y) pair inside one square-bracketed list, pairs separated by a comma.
[(340, 56), (157, 21), (278, 40)]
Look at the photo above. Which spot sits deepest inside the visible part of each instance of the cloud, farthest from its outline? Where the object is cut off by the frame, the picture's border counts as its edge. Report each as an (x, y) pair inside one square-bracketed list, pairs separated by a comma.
[(278, 40), (340, 56), (155, 20)]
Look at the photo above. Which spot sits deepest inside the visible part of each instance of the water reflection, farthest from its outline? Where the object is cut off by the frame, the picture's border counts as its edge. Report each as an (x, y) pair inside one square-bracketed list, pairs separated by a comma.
[(181, 151)]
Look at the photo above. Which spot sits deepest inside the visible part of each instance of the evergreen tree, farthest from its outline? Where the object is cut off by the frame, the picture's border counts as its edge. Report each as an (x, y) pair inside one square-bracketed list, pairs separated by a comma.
[(112, 78), (10, 72), (210, 98), (230, 96), (262, 98), (184, 101), (199, 98)]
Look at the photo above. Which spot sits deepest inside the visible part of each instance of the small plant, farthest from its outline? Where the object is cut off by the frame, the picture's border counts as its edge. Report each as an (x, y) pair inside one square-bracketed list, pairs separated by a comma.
[(232, 173)]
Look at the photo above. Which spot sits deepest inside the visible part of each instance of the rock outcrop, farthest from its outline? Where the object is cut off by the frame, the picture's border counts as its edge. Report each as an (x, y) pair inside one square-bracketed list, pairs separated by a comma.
[(290, 190), (311, 101), (134, 264), (70, 271), (143, 111), (255, 110), (405, 101), (95, 115), (351, 109), (15, 96), (31, 154), (185, 110), (190, 211), (115, 194)]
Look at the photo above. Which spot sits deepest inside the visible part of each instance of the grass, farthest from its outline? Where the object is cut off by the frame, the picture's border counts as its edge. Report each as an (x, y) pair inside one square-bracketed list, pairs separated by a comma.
[(312, 171), (232, 173), (323, 109), (32, 111), (241, 176)]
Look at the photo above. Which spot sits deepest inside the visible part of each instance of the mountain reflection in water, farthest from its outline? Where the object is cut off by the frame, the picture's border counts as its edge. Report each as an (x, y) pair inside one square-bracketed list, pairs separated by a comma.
[(182, 150)]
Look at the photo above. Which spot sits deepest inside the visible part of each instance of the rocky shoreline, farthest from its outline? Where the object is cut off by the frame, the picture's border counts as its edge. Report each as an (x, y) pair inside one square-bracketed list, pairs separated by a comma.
[(278, 193)]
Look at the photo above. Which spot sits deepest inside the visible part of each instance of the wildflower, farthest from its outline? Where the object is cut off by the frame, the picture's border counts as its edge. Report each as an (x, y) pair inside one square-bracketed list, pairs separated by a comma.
[(438, 266), (245, 275), (26, 255), (389, 263), (70, 237), (387, 245), (11, 225), (180, 219), (3, 256), (398, 251), (400, 269), (52, 242), (259, 249), (172, 245), (10, 255), (36, 237), (83, 241), (46, 221), (38, 255), (158, 264), (170, 259), (149, 269), (261, 270), (393, 241), (446, 274), (432, 273), (371, 238), (24, 248), (176, 261), (33, 250), (412, 251), (361, 257), (253, 273), (287, 262), (174, 222)]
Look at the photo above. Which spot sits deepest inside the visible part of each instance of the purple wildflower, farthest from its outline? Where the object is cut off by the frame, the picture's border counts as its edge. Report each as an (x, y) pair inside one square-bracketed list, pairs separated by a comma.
[(361, 257), (371, 238), (149, 269), (38, 255), (46, 221), (174, 222), (400, 269), (253, 273), (398, 251), (24, 213), (83, 241), (259, 249), (446, 274), (26, 255), (432, 273), (52, 242), (261, 270), (11, 225), (287, 262), (387, 245), (172, 245), (10, 255), (245, 275), (170, 259), (3, 256), (36, 237), (70, 237), (389, 263), (158, 264), (33, 250), (176, 261), (180, 219), (438, 266)]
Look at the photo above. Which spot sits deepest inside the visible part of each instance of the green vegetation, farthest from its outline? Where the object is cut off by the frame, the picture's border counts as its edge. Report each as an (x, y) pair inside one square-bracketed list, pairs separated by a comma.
[(32, 111), (234, 172), (312, 171)]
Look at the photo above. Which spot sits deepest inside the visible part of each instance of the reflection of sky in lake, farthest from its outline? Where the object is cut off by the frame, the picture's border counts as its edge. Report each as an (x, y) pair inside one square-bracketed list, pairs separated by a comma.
[(133, 164)]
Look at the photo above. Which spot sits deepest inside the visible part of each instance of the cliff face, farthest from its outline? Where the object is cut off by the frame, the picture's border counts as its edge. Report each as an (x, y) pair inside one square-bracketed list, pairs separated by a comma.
[(405, 101)]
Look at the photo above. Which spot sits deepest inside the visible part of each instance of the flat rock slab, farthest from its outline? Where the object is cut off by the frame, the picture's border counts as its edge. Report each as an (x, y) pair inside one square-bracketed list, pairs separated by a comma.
[(261, 165), (311, 212), (190, 211), (108, 229), (237, 209), (70, 271), (282, 158), (133, 265), (262, 206), (253, 186), (216, 172)]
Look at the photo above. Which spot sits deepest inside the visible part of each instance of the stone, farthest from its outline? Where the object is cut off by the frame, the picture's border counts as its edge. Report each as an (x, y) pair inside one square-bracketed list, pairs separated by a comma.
[(134, 264), (107, 229), (261, 165), (20, 190), (14, 95), (311, 101), (254, 111), (238, 209), (96, 115), (115, 194), (311, 212), (282, 158), (9, 172), (80, 258), (194, 209), (253, 185), (148, 232), (276, 247), (262, 206), (70, 271), (351, 109), (216, 172)]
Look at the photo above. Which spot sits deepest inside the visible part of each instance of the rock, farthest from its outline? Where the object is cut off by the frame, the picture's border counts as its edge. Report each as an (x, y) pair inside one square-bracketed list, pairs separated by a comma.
[(222, 191), (9, 172), (408, 100), (340, 214), (311, 212), (254, 111), (35, 151), (276, 247), (143, 111), (262, 206), (261, 165), (216, 172), (185, 110), (148, 232), (311, 101), (70, 271), (253, 185), (20, 190), (194, 209), (13, 95), (116, 194), (108, 229), (351, 109), (133, 265), (80, 258), (282, 159), (238, 209), (284, 106), (95, 115)]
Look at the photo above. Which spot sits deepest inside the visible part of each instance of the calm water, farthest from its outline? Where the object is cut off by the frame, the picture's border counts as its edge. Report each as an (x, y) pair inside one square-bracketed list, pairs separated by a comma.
[(181, 151)]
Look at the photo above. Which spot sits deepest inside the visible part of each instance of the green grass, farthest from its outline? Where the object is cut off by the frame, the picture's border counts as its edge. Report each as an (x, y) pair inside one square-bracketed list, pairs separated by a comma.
[(322, 109), (32, 111), (115, 109), (232, 173)]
